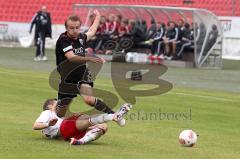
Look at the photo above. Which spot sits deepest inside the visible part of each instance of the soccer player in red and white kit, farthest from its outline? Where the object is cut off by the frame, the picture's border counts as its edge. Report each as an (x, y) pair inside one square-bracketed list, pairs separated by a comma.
[(78, 128)]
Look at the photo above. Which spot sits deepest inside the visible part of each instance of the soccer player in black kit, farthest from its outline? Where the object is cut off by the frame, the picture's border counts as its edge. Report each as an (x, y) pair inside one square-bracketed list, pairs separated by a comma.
[(71, 64)]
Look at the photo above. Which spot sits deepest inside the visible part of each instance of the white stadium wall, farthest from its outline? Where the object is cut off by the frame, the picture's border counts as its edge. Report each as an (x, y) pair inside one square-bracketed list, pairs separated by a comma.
[(231, 37), (18, 32)]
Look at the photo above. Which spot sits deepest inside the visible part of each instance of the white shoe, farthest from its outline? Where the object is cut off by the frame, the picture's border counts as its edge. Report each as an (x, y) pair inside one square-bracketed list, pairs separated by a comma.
[(118, 117), (37, 58), (162, 56), (121, 122), (165, 57), (44, 58), (169, 58)]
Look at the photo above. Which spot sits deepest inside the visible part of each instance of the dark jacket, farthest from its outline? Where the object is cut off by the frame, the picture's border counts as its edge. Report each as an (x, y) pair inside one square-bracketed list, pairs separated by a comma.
[(43, 24)]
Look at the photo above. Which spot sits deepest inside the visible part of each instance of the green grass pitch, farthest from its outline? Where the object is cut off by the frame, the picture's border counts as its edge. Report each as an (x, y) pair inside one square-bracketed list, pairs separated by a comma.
[(210, 98)]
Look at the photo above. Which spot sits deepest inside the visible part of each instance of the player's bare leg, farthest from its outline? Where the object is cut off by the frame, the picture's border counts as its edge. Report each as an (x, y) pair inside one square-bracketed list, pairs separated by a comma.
[(174, 46), (167, 47)]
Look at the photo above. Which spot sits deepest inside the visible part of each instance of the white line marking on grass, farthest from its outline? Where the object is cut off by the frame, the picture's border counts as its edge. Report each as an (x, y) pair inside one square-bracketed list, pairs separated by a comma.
[(206, 97), (187, 94)]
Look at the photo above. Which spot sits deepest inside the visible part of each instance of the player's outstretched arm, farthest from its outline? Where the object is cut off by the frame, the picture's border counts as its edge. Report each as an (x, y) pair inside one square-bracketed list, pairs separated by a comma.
[(92, 30), (43, 125)]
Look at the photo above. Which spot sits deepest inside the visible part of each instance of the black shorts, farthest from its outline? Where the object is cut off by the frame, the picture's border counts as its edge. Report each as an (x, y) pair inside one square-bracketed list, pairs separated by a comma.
[(69, 88)]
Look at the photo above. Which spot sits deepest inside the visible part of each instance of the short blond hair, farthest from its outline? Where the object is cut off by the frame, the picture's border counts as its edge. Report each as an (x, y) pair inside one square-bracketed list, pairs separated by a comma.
[(74, 18)]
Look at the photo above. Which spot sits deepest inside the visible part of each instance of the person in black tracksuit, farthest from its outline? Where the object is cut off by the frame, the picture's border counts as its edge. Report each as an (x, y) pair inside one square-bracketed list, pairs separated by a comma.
[(152, 30), (171, 39), (137, 32), (43, 29), (157, 38), (186, 40)]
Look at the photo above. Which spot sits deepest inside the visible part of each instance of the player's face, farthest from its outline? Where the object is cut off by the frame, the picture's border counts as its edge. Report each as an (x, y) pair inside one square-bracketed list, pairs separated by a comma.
[(52, 106), (103, 20), (172, 25), (44, 9), (180, 23), (73, 29), (111, 18)]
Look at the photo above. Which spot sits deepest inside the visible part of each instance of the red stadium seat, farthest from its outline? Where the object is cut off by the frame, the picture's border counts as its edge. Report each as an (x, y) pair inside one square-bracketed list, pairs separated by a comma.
[(23, 11)]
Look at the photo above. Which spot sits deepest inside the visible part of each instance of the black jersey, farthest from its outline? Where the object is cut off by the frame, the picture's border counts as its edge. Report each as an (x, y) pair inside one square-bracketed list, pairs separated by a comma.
[(66, 44), (70, 71)]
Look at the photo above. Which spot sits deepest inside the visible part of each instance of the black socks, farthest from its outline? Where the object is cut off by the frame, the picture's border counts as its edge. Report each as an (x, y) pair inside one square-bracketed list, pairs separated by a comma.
[(101, 106)]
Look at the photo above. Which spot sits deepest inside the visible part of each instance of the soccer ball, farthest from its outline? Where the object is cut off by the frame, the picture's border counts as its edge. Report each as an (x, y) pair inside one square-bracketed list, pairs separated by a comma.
[(188, 138)]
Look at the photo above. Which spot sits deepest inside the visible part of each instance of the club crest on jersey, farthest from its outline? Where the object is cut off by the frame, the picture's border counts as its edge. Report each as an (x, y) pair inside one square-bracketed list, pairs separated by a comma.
[(81, 41)]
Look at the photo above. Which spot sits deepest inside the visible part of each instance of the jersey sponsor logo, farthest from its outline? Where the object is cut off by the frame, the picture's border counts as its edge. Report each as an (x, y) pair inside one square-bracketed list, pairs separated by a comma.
[(79, 50), (67, 48)]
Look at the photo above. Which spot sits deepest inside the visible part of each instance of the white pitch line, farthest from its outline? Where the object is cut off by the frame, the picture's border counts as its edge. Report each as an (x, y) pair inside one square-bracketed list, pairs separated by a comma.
[(187, 94), (207, 97)]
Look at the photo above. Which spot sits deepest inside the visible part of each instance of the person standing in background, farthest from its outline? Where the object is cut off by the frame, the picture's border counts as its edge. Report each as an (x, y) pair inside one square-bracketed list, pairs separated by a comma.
[(43, 29)]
